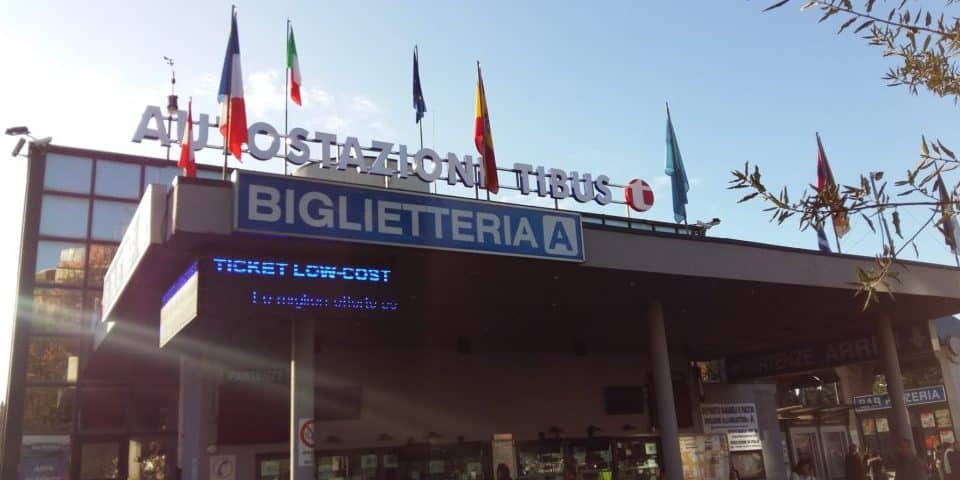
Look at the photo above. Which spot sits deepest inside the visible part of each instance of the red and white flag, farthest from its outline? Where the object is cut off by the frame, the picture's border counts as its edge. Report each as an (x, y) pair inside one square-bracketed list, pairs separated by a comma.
[(188, 162)]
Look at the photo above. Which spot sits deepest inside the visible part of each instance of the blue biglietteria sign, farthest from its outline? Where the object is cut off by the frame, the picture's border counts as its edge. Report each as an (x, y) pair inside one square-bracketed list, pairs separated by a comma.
[(913, 396), (311, 208)]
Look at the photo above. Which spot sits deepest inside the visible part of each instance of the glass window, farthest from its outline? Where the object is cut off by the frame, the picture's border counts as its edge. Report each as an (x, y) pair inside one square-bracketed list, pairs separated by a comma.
[(48, 409), (58, 310), (67, 174), (100, 258), (155, 410), (102, 409), (151, 458), (53, 360), (64, 216), (99, 461), (161, 175), (110, 219), (60, 262), (115, 179)]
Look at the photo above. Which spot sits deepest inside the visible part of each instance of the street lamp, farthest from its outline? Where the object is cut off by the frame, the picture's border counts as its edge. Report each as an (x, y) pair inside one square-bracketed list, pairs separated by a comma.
[(22, 131)]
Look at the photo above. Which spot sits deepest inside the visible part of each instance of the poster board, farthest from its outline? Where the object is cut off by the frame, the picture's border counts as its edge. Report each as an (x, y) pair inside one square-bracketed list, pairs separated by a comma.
[(705, 457), (503, 451)]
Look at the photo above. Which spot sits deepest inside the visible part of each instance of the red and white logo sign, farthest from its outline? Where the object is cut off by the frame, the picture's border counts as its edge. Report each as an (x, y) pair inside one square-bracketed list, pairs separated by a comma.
[(639, 195), (306, 433)]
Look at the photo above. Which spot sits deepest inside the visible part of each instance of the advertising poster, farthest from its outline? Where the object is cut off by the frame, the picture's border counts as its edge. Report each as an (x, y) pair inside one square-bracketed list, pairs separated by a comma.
[(45, 457), (946, 436), (882, 425), (749, 465), (869, 426), (943, 418), (704, 457), (927, 420)]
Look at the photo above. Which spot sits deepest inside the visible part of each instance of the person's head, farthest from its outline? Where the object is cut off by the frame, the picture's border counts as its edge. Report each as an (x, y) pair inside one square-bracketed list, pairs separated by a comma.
[(503, 472)]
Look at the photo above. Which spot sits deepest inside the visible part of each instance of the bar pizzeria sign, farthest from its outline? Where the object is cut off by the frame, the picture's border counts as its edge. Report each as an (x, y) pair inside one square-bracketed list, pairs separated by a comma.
[(913, 396)]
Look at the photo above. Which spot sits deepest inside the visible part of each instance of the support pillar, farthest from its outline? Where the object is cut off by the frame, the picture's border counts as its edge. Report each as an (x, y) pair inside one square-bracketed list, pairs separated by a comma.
[(302, 357), (900, 419), (663, 384), (196, 420)]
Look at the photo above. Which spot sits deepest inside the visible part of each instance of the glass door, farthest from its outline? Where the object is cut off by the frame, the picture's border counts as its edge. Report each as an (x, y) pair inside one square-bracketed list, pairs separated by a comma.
[(806, 446), (273, 466), (835, 441), (101, 459)]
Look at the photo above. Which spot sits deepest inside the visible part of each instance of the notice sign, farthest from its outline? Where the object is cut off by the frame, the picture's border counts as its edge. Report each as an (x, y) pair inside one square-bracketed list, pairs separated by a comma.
[(744, 440), (726, 417), (737, 420), (913, 396), (300, 207)]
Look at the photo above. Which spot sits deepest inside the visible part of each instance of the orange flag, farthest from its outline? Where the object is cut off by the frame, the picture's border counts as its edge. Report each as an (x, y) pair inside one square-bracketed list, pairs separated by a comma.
[(484, 139)]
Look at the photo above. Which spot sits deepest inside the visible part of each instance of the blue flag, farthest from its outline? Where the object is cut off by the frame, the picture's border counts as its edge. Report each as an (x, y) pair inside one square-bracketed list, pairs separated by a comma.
[(678, 176), (822, 241), (419, 104)]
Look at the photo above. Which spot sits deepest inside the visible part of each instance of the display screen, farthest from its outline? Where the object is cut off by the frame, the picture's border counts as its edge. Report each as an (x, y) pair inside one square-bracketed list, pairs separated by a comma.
[(296, 287)]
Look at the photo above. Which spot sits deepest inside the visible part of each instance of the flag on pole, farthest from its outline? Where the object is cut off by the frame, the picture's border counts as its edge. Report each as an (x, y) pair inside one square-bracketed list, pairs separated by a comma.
[(822, 241), (419, 104), (188, 162), (484, 138), (293, 65), (841, 223), (678, 175), (233, 114)]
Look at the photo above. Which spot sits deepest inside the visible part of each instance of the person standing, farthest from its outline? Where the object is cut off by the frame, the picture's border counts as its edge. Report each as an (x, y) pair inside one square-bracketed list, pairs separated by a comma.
[(803, 471), (874, 465), (854, 464), (950, 462), (908, 465)]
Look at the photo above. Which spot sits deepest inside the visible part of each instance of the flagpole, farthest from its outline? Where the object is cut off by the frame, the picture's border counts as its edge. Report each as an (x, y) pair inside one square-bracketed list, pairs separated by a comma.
[(286, 102)]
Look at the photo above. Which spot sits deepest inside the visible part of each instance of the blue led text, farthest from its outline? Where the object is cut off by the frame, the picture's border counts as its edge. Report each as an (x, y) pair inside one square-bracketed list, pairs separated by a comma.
[(268, 268)]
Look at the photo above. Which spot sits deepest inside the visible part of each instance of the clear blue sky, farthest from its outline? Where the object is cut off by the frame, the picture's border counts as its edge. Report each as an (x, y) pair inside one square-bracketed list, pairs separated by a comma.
[(570, 84)]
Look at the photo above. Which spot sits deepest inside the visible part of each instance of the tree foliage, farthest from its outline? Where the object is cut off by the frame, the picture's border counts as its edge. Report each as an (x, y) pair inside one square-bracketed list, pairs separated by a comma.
[(924, 46)]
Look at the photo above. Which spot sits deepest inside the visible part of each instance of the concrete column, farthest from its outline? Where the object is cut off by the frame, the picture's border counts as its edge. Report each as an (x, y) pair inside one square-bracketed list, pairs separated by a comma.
[(196, 422), (900, 419), (302, 357), (663, 384), (951, 383)]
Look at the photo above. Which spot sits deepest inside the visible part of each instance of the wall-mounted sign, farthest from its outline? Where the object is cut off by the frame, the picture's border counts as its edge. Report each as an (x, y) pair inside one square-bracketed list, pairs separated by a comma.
[(913, 396), (388, 159), (45, 457), (218, 289), (737, 420), (311, 208), (913, 339)]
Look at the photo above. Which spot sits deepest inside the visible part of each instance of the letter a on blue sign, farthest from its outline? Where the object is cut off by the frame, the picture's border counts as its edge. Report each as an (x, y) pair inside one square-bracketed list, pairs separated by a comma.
[(559, 235)]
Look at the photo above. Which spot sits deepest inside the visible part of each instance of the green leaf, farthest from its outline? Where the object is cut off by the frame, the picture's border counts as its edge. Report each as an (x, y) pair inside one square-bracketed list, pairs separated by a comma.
[(870, 5), (929, 19), (869, 223), (946, 150), (830, 12), (776, 5), (846, 24), (896, 223), (924, 151), (863, 25), (748, 197), (806, 6)]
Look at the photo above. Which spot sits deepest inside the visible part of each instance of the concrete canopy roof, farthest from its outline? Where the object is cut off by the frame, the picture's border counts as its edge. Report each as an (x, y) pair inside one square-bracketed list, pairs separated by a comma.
[(720, 296)]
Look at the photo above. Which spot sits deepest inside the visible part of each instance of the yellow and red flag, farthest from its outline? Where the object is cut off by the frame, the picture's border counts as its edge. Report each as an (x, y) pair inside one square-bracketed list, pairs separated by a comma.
[(484, 139)]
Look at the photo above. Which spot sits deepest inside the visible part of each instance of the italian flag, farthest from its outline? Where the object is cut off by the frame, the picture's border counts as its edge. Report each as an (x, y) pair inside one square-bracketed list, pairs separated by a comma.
[(293, 64)]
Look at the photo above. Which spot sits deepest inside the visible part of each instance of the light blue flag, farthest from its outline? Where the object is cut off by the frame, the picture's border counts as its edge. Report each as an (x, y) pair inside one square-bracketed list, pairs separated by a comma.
[(678, 176)]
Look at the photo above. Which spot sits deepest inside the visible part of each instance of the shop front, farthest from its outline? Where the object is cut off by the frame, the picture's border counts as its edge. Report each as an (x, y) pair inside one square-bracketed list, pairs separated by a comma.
[(299, 328)]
